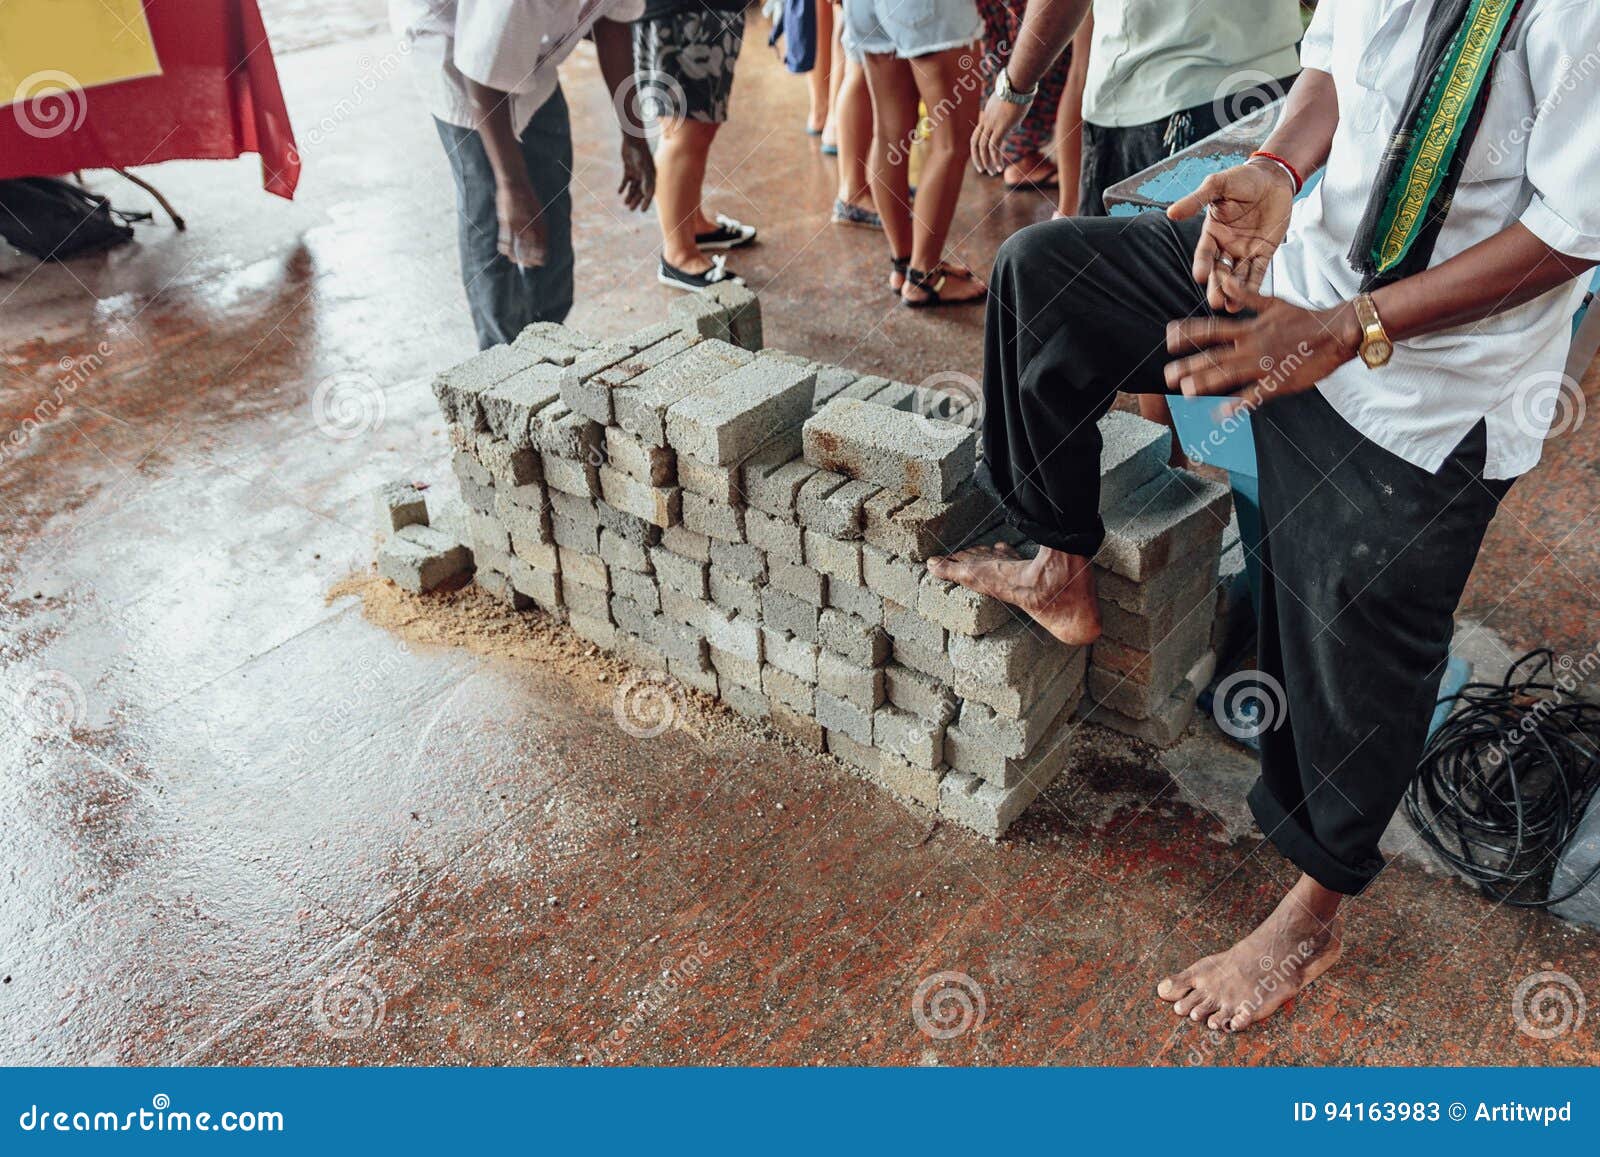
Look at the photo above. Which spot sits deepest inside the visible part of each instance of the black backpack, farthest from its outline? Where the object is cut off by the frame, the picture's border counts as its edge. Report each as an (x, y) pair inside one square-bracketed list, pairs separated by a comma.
[(53, 220)]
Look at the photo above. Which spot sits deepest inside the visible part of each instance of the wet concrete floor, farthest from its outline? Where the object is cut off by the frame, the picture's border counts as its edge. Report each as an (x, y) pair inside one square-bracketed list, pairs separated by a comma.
[(244, 824)]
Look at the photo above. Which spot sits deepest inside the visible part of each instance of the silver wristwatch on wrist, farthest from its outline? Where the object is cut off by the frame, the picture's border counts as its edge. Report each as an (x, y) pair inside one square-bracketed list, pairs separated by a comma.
[(1004, 90)]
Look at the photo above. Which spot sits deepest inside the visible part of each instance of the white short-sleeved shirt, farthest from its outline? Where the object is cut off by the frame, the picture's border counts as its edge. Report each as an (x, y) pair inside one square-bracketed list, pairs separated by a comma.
[(1151, 58), (510, 45), (1535, 159)]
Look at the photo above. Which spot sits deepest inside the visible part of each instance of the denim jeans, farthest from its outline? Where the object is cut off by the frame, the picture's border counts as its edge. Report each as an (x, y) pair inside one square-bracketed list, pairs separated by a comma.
[(503, 298)]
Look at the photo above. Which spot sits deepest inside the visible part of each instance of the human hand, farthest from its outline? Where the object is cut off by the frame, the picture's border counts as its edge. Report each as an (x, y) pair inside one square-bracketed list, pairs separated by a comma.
[(638, 173), (520, 214), (1247, 215), (998, 118), (1282, 350)]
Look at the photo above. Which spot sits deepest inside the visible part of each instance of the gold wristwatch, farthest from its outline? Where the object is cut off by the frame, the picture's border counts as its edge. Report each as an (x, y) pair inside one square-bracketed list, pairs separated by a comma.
[(1376, 348)]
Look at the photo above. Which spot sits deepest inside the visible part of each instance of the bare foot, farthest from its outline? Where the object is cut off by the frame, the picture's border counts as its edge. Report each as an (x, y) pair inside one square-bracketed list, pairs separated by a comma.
[(1300, 941), (1055, 589)]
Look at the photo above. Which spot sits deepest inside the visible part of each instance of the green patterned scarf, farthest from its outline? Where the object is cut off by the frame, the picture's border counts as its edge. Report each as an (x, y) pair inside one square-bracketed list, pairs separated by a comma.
[(1422, 164)]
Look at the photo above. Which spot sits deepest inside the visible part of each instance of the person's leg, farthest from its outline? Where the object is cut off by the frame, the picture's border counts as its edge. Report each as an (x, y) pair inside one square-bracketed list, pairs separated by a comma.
[(503, 298), (853, 117), (680, 176), (1364, 560), (893, 92), (1078, 311), (819, 79), (949, 88), (836, 72), (1024, 147), (1069, 126)]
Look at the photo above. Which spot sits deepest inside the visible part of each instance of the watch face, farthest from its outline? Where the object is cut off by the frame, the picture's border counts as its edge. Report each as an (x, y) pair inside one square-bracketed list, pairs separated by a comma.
[(1376, 353)]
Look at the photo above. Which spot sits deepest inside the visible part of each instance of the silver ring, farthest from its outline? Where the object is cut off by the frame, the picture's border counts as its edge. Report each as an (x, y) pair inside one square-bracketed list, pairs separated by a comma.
[(1225, 261)]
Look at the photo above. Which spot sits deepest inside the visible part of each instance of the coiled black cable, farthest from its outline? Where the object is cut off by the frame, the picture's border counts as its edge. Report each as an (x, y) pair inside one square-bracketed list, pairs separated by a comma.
[(1506, 779)]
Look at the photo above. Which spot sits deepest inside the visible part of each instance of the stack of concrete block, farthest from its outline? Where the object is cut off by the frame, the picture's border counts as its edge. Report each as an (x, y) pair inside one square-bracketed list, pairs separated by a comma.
[(1157, 577), (757, 525)]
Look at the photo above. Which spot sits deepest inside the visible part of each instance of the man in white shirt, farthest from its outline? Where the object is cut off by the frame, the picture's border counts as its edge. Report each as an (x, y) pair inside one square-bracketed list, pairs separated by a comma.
[(1401, 374), (488, 71)]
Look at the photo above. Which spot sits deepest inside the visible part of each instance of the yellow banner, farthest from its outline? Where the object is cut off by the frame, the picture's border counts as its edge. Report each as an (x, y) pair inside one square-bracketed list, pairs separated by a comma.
[(52, 47)]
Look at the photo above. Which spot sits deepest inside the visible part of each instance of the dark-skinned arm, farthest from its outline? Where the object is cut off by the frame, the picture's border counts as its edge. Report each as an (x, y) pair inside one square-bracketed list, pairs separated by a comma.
[(517, 207), (1285, 349), (613, 42)]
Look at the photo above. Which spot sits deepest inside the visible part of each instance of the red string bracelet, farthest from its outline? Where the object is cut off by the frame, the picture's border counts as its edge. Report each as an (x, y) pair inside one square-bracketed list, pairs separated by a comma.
[(1294, 173)]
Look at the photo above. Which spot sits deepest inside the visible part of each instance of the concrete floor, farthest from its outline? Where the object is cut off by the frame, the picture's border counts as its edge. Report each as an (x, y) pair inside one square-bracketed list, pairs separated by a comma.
[(269, 831)]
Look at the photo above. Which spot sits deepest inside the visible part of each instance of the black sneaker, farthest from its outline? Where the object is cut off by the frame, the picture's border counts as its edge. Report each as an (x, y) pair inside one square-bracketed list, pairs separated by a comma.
[(695, 282), (729, 234)]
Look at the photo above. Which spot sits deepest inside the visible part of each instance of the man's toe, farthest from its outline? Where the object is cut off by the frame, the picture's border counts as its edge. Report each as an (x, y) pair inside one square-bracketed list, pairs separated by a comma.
[(1204, 1009), (1175, 987), (1219, 1019), (1239, 1020)]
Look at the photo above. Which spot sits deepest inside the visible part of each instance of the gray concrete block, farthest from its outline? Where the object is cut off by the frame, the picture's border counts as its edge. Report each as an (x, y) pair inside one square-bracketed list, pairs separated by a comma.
[(962, 611), (486, 532), (734, 670), (400, 504), (642, 404), (741, 559), (1132, 452), (920, 528), (682, 540), (788, 689), (448, 514), (1010, 669), (541, 585), (904, 624), (773, 535), (498, 585), (476, 496), (420, 558), (529, 522), (857, 601), (590, 602), (673, 571), (459, 389), (616, 551), (1015, 738), (786, 612), (558, 430), (895, 579), (538, 554), (739, 635), (1170, 517), (656, 505), (904, 733), (650, 465), (747, 701), (1163, 726), (682, 608), (906, 780), (713, 519), (798, 580), (705, 317), (509, 466), (788, 652), (599, 631), (587, 569), (555, 342), (634, 650), (744, 324), (859, 755), (681, 642), (985, 808), (803, 729), (574, 535), (641, 588), (772, 482), (904, 452), (836, 714), (854, 638), (718, 483), (834, 558), (728, 419), (1155, 590), (911, 690), (509, 406), (701, 676), (600, 369), (733, 593), (638, 621), (1162, 665), (858, 684), (578, 510), (834, 510), (831, 382), (1196, 599), (467, 468), (581, 479)]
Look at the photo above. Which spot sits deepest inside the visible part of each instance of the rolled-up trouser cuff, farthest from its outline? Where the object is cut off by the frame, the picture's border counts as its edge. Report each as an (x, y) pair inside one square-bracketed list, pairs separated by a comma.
[(1295, 841), (1085, 543)]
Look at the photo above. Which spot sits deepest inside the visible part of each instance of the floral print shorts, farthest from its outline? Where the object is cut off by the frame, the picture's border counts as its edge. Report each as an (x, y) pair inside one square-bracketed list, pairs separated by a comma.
[(683, 63)]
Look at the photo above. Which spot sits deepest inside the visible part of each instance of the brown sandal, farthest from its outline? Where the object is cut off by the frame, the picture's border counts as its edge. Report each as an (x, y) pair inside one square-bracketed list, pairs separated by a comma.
[(933, 282)]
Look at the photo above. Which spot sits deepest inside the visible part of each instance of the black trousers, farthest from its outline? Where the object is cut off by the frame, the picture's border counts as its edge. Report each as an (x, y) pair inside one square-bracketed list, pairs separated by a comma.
[(1363, 559)]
